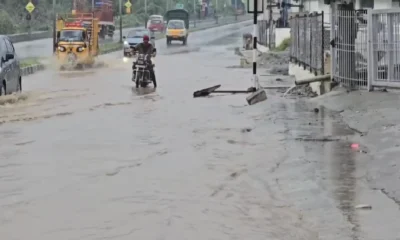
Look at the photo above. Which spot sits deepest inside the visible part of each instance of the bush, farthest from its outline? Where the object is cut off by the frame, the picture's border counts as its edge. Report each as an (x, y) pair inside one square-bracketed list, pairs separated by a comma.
[(6, 24), (284, 45)]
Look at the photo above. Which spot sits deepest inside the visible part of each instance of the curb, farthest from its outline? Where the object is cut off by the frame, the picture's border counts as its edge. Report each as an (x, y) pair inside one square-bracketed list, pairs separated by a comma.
[(32, 69)]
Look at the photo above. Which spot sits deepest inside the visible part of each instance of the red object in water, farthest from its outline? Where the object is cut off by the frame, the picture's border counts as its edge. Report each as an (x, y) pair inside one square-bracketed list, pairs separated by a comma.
[(354, 145)]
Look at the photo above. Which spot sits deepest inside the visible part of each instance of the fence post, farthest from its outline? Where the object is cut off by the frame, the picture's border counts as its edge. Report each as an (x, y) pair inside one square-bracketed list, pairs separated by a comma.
[(297, 38), (305, 40), (310, 22), (323, 44), (370, 52), (331, 40)]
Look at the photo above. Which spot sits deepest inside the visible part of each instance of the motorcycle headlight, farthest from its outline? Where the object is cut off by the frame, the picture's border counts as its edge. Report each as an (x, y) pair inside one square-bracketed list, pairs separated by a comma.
[(62, 49), (126, 43), (80, 49)]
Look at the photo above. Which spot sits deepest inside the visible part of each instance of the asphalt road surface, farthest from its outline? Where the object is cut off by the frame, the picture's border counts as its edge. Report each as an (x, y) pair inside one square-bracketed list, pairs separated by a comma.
[(43, 47), (85, 155)]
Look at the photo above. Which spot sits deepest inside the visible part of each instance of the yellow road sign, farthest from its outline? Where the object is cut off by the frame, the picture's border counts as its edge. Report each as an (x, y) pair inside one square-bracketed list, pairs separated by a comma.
[(30, 7), (128, 4)]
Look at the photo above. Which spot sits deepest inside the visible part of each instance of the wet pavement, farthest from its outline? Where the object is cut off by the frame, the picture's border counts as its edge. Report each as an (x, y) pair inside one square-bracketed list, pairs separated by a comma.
[(40, 48), (91, 157)]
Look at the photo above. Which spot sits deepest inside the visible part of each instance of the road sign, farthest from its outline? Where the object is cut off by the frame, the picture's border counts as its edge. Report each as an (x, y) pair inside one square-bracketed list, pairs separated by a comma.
[(251, 3), (179, 6), (128, 4), (30, 7)]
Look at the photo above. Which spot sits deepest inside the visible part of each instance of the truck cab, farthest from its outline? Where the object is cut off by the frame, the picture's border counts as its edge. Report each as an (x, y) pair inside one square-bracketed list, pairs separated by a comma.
[(76, 42)]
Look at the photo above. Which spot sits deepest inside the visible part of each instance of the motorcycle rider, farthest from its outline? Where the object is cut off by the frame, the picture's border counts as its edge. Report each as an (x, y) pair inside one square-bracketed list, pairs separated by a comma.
[(146, 48)]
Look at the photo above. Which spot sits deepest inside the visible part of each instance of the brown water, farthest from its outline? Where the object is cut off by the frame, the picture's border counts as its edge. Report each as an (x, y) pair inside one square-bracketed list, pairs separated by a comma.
[(91, 157)]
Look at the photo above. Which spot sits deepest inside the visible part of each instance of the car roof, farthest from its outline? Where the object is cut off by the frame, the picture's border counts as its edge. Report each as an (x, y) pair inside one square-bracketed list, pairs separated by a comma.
[(142, 31)]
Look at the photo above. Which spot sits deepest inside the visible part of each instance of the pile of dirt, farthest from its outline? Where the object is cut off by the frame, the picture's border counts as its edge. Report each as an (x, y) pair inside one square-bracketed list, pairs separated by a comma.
[(303, 91)]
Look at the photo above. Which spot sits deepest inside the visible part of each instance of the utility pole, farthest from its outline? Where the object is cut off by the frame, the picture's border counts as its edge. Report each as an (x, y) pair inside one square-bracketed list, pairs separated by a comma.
[(145, 7), (120, 21), (194, 13), (236, 17), (270, 25), (54, 26), (92, 5)]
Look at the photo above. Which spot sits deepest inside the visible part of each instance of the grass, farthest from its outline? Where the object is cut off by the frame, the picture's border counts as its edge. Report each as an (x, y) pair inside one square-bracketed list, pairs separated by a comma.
[(26, 62), (283, 46)]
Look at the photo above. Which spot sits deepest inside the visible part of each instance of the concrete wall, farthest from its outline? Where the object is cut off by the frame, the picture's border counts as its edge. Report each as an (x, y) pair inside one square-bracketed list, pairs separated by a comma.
[(281, 34)]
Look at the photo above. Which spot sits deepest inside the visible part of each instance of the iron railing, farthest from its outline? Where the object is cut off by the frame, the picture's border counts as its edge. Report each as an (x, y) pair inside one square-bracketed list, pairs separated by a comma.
[(350, 48), (266, 33), (308, 41)]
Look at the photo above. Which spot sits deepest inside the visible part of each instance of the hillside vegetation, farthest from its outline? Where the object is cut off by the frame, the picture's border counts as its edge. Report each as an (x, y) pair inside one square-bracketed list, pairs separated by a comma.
[(13, 13)]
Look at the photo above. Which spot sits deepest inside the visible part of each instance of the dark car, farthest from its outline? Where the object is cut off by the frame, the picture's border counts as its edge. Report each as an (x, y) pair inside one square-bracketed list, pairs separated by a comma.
[(156, 25), (10, 71), (134, 38)]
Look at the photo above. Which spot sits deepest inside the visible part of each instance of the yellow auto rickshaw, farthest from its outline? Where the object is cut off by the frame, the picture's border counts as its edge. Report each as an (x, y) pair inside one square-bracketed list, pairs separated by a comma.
[(76, 42)]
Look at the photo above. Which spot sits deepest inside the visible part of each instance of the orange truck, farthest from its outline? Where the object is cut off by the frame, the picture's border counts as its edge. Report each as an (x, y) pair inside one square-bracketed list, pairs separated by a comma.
[(103, 11)]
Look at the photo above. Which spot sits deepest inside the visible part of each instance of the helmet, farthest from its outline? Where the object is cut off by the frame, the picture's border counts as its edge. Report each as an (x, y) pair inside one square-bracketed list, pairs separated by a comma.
[(146, 39)]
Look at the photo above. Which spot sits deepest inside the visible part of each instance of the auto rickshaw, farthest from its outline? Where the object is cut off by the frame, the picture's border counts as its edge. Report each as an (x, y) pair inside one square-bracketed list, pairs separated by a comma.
[(76, 42)]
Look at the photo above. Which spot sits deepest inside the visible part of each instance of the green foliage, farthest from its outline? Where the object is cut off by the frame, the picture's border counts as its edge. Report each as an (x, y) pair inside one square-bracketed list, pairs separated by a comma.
[(283, 46), (6, 24), (29, 62), (13, 13)]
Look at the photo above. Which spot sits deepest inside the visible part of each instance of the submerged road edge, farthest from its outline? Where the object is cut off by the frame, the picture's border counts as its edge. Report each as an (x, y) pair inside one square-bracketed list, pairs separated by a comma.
[(29, 70)]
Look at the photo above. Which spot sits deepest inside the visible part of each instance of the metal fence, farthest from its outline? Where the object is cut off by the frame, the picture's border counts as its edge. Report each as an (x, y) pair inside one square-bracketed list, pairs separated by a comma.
[(366, 48), (384, 48), (266, 34), (349, 47), (308, 42)]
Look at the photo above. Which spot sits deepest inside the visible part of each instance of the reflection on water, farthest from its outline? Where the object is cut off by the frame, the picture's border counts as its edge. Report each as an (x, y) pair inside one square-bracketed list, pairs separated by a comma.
[(343, 167), (334, 159)]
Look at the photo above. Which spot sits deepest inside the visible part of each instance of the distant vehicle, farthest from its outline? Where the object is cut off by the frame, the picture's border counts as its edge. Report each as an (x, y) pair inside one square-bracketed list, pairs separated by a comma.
[(154, 17), (156, 25), (177, 25), (10, 71), (103, 11), (135, 37)]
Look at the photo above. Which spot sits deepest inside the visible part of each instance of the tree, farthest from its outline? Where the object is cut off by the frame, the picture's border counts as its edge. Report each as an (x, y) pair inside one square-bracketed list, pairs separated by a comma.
[(6, 24)]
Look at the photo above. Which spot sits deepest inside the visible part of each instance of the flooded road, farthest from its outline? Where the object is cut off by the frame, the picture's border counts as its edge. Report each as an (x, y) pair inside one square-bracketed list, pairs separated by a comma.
[(91, 157), (42, 47)]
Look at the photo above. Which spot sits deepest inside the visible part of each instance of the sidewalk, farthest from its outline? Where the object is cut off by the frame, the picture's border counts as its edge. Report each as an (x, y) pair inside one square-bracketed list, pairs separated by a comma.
[(376, 116)]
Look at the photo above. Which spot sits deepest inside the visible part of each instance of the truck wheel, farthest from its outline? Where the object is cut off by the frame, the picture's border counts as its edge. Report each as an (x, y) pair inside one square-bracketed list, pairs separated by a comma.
[(168, 42), (184, 41)]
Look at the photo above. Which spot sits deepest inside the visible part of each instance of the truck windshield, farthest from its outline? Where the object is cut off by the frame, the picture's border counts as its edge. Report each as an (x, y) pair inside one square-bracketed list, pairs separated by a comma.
[(176, 25), (71, 35)]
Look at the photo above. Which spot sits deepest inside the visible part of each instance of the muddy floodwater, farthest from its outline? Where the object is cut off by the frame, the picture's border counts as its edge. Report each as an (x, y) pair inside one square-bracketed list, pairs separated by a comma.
[(88, 156)]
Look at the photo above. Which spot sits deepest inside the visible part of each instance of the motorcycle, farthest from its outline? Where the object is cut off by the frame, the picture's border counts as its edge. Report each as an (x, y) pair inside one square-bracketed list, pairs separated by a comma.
[(141, 74)]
